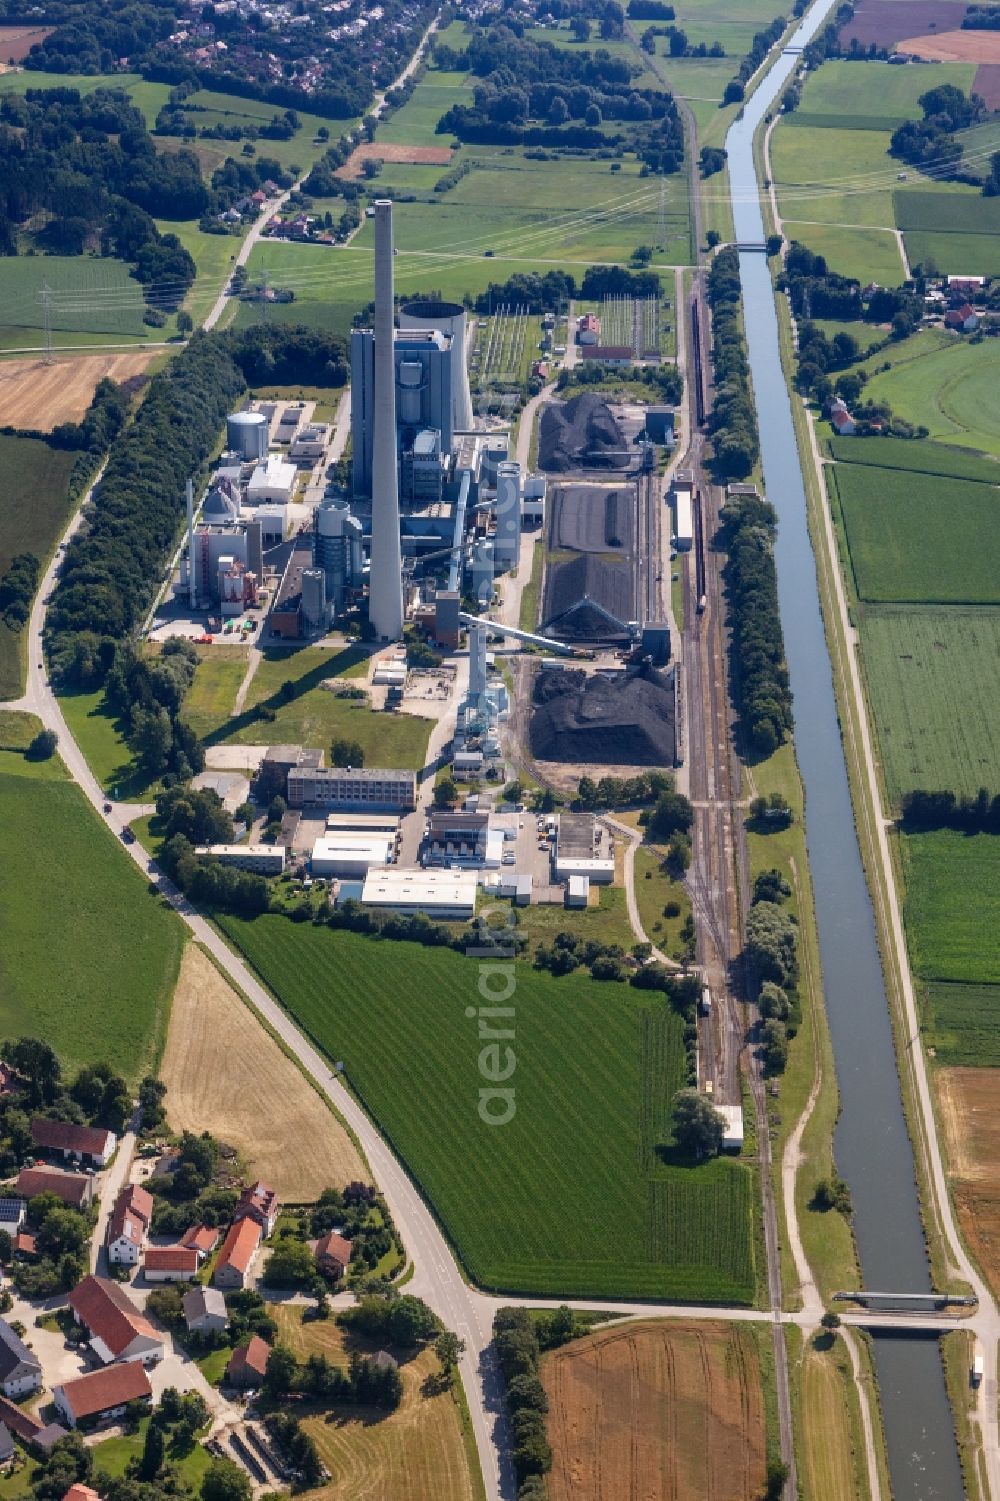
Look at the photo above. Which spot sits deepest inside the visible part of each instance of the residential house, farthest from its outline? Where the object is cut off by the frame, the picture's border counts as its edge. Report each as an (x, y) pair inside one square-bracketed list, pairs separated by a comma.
[(20, 1368), (118, 1330), (205, 1310), (25, 1248), (239, 1250), (128, 1228), (333, 1255), (260, 1203), (92, 1146), (170, 1264), (6, 1445), (248, 1363), (841, 418), (80, 1492), (201, 1238), (75, 1189), (12, 1213), (102, 1396), (963, 319)]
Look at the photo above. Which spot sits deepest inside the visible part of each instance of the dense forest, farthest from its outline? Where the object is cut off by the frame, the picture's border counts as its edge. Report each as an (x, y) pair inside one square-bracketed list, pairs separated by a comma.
[(761, 675), (733, 421), (88, 166)]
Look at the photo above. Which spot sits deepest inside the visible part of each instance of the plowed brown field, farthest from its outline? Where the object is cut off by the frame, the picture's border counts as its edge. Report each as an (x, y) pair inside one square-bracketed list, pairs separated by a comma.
[(225, 1074), (17, 41), (657, 1409), (388, 151), (967, 1101), (40, 396)]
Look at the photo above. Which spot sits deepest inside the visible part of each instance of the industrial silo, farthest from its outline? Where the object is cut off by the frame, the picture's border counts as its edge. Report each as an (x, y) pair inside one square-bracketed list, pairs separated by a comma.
[(449, 318), (314, 596), (246, 434)]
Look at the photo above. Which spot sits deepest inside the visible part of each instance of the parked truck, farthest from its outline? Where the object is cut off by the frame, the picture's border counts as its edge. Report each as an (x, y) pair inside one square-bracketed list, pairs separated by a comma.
[(706, 1001), (976, 1373)]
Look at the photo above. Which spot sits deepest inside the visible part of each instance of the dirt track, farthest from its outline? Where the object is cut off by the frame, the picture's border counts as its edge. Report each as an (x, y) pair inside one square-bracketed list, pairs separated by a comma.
[(40, 396), (656, 1410), (225, 1074)]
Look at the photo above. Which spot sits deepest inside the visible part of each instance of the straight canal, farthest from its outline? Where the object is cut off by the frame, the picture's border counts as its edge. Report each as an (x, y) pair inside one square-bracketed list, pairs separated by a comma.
[(873, 1149)]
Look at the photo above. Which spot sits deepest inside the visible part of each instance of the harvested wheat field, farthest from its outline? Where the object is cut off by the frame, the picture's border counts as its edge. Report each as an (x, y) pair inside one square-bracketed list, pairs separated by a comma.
[(416, 1452), (389, 151), (225, 1074), (657, 1409), (954, 47), (39, 396), (967, 1105)]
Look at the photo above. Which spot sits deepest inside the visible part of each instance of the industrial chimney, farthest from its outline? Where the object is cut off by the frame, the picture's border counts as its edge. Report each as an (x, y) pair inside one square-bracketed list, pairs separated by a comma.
[(385, 587), (192, 583)]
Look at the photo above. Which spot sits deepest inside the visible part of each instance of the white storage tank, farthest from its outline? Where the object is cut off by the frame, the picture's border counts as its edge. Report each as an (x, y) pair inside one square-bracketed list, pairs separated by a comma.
[(246, 434)]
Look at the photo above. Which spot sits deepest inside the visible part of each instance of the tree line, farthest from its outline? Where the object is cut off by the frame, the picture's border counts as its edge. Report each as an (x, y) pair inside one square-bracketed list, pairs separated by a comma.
[(519, 1340), (761, 45), (733, 421), (952, 810), (761, 672), (90, 167)]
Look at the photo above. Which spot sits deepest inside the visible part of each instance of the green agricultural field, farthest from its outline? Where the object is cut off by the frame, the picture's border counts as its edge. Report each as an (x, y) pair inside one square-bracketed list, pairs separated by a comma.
[(833, 176), (954, 254), (944, 383), (570, 1197), (845, 91), (95, 982), (309, 714), (939, 212), (862, 253), (952, 908), (416, 123), (962, 1024), (214, 257), (923, 457), (34, 512), (919, 538), (90, 294), (934, 682)]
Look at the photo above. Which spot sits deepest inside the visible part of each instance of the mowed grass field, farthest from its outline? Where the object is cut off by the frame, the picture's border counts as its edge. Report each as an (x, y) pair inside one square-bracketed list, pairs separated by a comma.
[(849, 92), (934, 679), (657, 1409), (919, 537), (418, 1451), (944, 383), (570, 1196), (90, 294), (313, 715), (210, 699), (225, 1073), (952, 906), (89, 957), (34, 509), (832, 1465)]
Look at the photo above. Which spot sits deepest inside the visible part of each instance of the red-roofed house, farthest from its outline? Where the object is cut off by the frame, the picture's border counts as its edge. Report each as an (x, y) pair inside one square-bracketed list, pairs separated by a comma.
[(201, 1238), (248, 1363), (333, 1254), (117, 1330), (102, 1395), (965, 318), (128, 1227), (239, 1249), (80, 1492), (92, 1145), (260, 1203), (76, 1189), (170, 1264)]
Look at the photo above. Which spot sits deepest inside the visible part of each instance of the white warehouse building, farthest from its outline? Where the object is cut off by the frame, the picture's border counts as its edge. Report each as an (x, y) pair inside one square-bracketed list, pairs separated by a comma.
[(438, 893), (349, 854), (272, 480)]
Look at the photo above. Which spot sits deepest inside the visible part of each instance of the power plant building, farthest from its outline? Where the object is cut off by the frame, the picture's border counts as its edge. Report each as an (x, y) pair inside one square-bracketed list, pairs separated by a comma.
[(422, 367), (247, 434)]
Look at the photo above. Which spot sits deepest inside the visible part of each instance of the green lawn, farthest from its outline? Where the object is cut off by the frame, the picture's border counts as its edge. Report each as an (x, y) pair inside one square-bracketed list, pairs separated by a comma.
[(952, 906), (653, 890), (33, 513), (94, 979), (112, 1455), (209, 701), (866, 254), (100, 734), (934, 682), (315, 716), (944, 383), (919, 537), (570, 1196)]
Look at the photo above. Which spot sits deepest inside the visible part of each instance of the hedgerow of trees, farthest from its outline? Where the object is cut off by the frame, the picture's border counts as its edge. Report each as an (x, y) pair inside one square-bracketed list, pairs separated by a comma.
[(734, 420), (761, 676)]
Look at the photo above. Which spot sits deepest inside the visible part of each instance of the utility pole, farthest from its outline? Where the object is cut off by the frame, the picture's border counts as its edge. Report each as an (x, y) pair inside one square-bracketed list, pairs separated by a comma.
[(46, 295)]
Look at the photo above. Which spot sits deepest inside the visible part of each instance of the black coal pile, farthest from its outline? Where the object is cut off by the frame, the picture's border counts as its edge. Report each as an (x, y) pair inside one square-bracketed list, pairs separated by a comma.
[(590, 719), (580, 434)]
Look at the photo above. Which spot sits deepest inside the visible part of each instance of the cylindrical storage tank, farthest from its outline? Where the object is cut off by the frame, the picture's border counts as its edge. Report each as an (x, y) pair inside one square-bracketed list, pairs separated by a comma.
[(314, 595), (449, 318), (246, 434)]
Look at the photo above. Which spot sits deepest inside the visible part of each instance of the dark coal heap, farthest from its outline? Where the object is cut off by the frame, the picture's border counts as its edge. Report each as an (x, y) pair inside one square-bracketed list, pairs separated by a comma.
[(594, 720), (578, 434)]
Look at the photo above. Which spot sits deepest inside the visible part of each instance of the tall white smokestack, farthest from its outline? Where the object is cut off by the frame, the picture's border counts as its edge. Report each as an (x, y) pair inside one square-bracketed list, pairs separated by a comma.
[(192, 584), (385, 588)]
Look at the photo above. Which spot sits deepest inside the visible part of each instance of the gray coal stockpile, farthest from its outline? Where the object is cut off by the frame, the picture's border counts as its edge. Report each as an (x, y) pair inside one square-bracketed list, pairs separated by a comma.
[(580, 434), (592, 720), (589, 518)]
